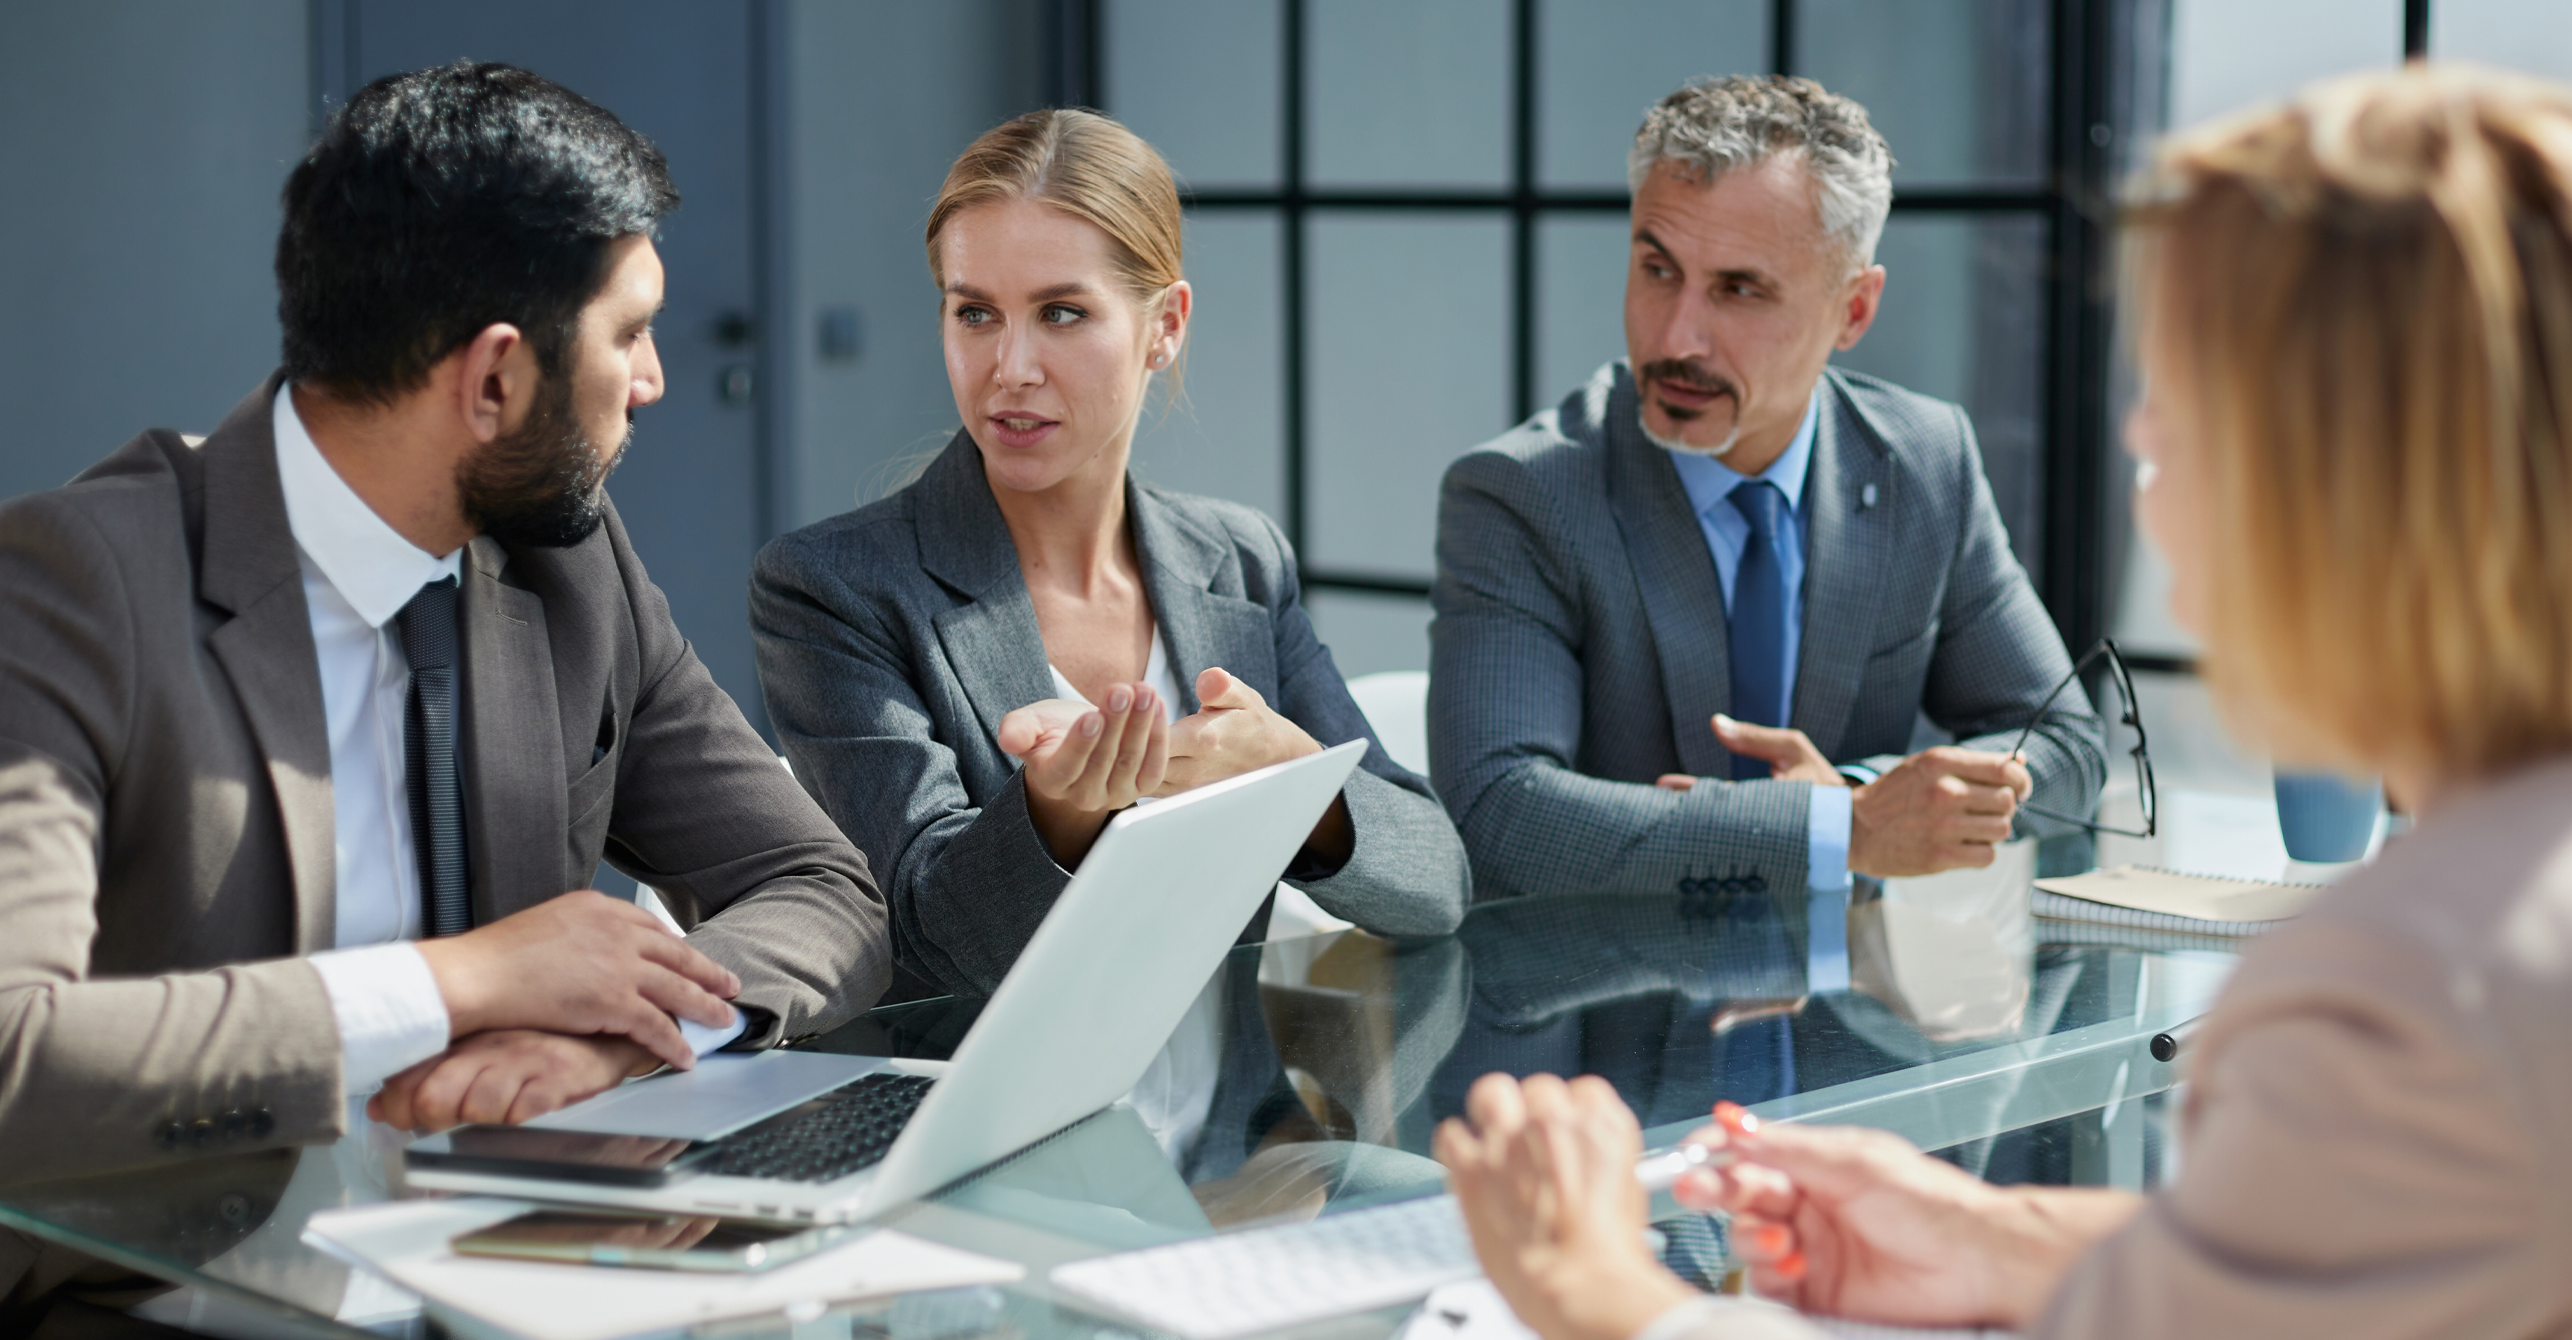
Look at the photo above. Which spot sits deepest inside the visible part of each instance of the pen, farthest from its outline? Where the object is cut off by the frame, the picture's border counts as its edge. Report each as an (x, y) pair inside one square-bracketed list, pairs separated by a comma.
[(2166, 1045), (1660, 1172)]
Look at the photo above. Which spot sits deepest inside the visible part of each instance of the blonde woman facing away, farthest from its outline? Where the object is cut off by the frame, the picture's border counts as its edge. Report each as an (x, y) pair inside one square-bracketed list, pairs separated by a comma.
[(2357, 454), (975, 673)]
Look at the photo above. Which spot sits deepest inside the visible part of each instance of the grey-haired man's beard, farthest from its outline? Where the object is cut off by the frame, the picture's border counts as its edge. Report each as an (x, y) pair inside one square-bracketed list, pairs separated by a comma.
[(543, 485), (1718, 450), (1686, 374)]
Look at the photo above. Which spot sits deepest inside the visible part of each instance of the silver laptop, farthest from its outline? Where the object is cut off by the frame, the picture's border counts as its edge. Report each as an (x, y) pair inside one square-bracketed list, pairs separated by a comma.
[(808, 1136)]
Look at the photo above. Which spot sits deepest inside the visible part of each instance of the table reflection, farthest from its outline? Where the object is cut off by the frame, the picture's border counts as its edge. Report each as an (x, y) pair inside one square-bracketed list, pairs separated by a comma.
[(1309, 1078)]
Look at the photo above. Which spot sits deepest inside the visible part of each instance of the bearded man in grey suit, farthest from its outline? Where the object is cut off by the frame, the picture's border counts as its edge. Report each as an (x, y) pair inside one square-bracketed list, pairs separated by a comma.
[(1688, 619), (313, 731)]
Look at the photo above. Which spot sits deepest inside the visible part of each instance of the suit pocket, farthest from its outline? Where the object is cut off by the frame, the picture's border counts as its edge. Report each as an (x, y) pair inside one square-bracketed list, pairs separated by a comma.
[(592, 790)]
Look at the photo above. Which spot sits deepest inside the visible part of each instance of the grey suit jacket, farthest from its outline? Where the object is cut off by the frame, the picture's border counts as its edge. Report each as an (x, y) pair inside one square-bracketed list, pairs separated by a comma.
[(893, 639), (166, 825), (1579, 647)]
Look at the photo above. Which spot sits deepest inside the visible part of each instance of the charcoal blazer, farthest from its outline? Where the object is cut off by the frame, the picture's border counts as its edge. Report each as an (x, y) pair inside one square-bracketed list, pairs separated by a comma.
[(1580, 643), (166, 820), (893, 639)]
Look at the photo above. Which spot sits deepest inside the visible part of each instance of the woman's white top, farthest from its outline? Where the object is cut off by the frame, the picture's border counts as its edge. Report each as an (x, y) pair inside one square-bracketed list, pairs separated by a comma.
[(1156, 672)]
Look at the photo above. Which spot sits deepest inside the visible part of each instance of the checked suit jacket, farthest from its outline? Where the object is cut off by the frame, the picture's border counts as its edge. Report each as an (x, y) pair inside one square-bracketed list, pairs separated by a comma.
[(1580, 646)]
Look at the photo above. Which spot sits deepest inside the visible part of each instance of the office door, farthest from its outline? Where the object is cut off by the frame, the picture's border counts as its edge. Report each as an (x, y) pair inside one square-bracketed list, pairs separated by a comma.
[(681, 72)]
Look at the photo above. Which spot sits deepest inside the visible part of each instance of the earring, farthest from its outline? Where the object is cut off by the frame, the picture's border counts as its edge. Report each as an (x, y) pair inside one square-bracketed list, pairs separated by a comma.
[(1159, 359)]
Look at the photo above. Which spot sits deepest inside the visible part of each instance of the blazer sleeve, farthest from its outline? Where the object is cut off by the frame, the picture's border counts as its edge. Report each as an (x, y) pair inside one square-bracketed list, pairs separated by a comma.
[(2359, 1163), (1406, 874), (1998, 655), (968, 884), (100, 1072), (1505, 716), (770, 888)]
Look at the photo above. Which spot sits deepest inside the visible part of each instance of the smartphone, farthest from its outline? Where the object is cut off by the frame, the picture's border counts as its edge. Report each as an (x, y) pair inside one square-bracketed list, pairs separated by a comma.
[(652, 1242), (573, 1156)]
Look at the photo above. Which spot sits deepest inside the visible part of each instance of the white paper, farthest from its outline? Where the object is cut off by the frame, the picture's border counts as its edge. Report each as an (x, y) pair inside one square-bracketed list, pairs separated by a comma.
[(407, 1241)]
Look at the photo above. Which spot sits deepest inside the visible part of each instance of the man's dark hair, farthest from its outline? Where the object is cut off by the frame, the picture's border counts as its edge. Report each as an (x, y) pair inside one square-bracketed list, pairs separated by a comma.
[(439, 202)]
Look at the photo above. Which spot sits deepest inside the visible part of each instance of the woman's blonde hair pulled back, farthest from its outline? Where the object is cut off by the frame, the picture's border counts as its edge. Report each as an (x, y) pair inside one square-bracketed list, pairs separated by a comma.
[(1087, 166)]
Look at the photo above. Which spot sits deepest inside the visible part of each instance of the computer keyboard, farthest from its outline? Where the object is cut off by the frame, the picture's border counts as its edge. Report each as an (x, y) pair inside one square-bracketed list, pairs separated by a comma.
[(836, 1134), (1236, 1284)]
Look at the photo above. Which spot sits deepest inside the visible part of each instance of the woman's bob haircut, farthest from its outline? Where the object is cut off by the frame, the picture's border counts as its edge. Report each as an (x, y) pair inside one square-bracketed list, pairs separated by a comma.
[(2360, 309)]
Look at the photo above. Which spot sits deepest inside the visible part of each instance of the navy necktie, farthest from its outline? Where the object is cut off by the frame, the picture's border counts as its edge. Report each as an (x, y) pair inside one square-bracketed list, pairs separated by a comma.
[(1759, 617), (429, 639)]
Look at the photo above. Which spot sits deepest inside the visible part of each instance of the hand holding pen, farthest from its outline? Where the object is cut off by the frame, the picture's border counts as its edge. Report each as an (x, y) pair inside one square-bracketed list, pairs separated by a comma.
[(1856, 1223)]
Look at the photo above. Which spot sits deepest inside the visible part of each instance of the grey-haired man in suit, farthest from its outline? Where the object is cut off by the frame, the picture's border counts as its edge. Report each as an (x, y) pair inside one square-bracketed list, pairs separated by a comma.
[(1686, 620)]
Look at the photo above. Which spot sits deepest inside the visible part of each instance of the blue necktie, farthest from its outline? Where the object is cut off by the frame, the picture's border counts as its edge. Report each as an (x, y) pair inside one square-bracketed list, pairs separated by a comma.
[(1759, 617), (429, 638)]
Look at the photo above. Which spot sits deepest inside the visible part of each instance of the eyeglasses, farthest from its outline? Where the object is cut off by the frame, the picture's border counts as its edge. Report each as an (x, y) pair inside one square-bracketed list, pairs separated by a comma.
[(2132, 720)]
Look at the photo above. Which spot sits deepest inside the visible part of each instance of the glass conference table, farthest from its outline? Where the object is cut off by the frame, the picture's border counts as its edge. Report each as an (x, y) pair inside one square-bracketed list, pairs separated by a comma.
[(1313, 1075)]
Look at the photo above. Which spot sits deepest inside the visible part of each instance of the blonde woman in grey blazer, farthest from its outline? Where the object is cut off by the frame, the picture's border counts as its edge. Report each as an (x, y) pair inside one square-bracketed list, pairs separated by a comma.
[(2357, 455), (973, 674)]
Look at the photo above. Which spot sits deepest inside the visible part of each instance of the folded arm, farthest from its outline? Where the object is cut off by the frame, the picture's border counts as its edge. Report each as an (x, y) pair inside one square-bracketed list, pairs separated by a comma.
[(1998, 654), (767, 885), (1505, 722)]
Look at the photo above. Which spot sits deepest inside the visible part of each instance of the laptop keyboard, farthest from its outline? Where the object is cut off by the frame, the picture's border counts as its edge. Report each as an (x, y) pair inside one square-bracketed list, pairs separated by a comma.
[(850, 1128)]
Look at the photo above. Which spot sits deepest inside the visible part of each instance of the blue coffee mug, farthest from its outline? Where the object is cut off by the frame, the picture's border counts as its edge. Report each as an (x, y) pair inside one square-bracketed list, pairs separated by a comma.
[(2326, 817)]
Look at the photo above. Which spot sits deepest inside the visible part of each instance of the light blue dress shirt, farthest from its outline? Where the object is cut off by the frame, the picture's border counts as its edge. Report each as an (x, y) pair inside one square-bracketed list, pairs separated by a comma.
[(1710, 483)]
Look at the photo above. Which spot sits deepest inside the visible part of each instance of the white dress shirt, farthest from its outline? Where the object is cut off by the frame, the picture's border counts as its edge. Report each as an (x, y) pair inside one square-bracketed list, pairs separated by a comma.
[(358, 574)]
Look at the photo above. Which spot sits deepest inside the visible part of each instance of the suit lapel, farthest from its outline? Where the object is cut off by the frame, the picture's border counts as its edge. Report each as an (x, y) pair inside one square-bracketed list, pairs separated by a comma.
[(249, 569), (1201, 626), (510, 734), (992, 642), (1845, 552), (1682, 598)]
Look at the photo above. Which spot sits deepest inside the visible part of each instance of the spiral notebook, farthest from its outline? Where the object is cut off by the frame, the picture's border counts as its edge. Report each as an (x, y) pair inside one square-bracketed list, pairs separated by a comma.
[(2144, 897)]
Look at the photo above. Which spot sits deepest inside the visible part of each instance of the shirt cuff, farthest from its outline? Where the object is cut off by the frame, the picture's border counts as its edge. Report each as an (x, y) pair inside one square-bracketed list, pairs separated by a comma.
[(702, 1039), (1826, 862), (386, 1003), (1826, 939)]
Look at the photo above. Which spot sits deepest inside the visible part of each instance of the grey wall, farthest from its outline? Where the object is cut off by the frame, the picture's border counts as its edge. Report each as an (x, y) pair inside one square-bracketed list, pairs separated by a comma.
[(880, 99), (142, 145)]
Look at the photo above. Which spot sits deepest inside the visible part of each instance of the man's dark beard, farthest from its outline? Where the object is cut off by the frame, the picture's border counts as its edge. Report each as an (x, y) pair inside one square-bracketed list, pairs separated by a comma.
[(1685, 373), (542, 485)]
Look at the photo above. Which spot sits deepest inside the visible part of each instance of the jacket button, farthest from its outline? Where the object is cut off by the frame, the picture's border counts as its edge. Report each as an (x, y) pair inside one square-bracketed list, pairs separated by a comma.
[(262, 1122), (170, 1136)]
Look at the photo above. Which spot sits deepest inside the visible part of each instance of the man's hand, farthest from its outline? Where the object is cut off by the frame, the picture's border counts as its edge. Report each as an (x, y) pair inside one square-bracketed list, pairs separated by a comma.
[(1789, 753), (1852, 1222), (1544, 1172), (579, 964), (504, 1078), (1083, 763), (1940, 809)]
